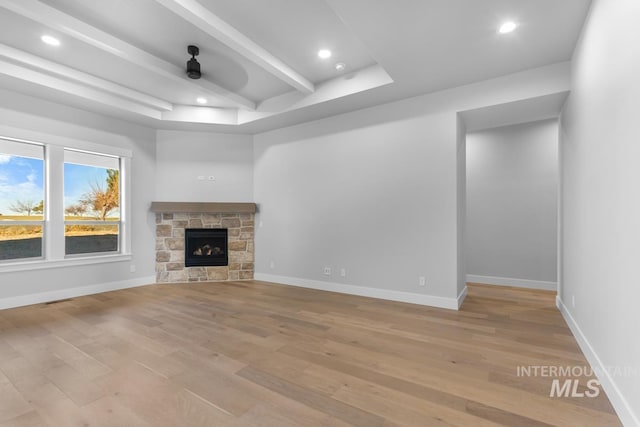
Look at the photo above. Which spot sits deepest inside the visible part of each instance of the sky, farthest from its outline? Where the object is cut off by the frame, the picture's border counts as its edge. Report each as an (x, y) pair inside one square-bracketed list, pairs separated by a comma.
[(21, 178), (78, 180)]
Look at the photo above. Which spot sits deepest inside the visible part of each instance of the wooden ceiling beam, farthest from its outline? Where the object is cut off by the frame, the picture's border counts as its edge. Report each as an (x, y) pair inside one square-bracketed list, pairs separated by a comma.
[(66, 24), (207, 21)]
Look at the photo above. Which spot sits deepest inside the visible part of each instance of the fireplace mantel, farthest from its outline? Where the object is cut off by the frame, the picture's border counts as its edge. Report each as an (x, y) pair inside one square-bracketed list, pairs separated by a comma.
[(203, 207)]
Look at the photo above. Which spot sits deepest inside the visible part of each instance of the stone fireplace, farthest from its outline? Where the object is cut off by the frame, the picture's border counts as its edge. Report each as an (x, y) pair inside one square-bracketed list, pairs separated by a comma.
[(174, 220)]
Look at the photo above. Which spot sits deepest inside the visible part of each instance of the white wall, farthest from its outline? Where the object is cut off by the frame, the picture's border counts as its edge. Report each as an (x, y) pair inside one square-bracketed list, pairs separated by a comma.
[(377, 198), (378, 192), (512, 192), (182, 157), (31, 114), (600, 213), (461, 194)]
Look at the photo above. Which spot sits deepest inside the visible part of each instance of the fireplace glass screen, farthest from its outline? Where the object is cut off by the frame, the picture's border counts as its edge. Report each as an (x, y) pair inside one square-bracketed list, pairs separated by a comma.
[(205, 247)]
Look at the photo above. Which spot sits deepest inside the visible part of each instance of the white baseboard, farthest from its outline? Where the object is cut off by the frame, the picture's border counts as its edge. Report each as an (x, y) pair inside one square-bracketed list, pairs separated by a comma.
[(387, 294), (49, 296), (461, 296), (623, 409), (508, 281)]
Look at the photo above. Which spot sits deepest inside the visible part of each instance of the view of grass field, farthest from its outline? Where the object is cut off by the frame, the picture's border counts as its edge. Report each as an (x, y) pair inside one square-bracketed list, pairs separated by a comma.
[(15, 232), (25, 241)]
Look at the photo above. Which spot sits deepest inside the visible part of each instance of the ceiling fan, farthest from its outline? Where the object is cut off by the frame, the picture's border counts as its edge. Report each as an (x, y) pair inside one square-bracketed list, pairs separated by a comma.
[(193, 66)]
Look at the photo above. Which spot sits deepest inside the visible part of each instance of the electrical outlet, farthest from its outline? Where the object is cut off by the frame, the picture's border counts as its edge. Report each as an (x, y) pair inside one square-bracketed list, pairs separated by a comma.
[(573, 301), (343, 272), (132, 268), (327, 271), (422, 281), (272, 264)]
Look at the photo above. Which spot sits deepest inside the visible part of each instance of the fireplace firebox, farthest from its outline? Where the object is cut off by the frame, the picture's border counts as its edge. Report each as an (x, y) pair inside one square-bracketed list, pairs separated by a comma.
[(205, 247)]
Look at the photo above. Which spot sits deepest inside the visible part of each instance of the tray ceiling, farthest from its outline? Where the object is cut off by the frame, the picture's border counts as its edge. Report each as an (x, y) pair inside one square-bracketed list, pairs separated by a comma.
[(259, 58)]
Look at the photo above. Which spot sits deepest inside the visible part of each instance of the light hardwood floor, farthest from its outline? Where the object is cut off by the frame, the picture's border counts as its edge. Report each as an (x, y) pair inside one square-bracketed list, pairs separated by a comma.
[(259, 354)]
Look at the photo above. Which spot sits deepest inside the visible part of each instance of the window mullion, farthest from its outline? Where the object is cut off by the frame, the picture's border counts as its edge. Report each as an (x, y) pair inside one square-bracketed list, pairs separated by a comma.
[(54, 204), (125, 203)]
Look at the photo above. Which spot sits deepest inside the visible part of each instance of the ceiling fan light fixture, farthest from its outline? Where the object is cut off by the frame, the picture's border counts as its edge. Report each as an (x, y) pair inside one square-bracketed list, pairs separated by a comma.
[(193, 66)]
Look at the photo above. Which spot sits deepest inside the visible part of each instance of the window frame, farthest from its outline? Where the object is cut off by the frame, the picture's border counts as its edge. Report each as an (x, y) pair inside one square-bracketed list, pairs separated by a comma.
[(97, 222), (40, 223), (53, 223)]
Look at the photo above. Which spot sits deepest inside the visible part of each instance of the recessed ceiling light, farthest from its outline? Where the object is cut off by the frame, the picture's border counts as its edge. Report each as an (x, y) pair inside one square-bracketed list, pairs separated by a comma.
[(50, 40), (324, 53), (340, 66), (201, 100), (507, 27)]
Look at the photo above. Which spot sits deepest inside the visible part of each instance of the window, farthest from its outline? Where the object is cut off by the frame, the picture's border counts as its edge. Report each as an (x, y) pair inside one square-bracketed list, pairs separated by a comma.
[(21, 200), (61, 201), (91, 202)]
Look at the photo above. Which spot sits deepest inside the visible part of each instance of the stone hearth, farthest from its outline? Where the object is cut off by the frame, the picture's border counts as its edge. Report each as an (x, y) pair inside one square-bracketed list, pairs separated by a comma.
[(170, 230)]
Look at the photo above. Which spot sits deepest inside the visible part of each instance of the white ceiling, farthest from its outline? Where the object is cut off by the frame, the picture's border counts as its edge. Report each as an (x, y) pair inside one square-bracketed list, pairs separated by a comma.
[(127, 58), (511, 113)]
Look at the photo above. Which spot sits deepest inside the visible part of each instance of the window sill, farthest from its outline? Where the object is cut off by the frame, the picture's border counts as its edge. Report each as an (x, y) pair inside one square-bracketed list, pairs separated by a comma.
[(41, 264)]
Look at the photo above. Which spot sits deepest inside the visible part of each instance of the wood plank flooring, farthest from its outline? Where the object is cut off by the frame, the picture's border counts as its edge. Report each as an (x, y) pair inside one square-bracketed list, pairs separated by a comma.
[(260, 354)]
